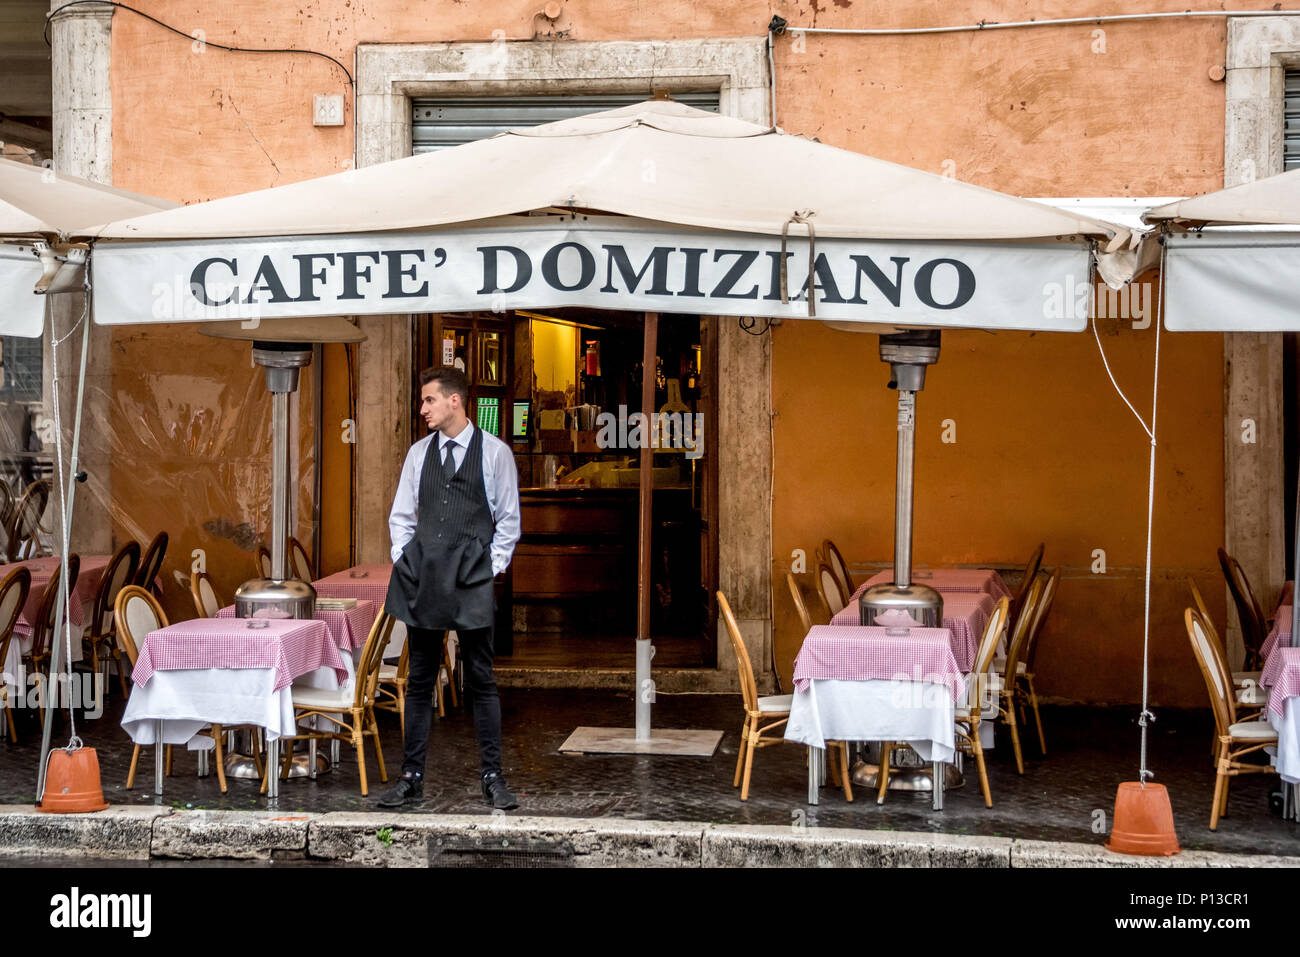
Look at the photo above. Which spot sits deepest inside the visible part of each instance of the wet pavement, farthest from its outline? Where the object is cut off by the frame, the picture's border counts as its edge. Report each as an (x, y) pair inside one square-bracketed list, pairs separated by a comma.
[(1091, 750)]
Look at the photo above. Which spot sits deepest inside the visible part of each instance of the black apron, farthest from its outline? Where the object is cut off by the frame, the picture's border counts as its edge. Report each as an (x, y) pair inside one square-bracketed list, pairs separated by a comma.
[(443, 578)]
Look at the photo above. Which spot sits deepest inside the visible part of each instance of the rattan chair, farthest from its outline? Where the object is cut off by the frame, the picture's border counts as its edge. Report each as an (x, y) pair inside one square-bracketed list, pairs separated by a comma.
[(830, 590), (390, 693), (299, 562), (978, 683), (24, 530), (136, 613), (151, 564), (263, 560), (13, 595), (1246, 737), (832, 557), (100, 637), (6, 505), (43, 636), (834, 749), (350, 709), (1025, 668), (772, 709), (1253, 627), (204, 593), (1239, 678), (1026, 580), (1007, 693)]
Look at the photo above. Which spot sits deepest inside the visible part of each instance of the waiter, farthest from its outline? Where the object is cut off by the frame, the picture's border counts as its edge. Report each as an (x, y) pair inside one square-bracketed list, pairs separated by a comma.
[(454, 526)]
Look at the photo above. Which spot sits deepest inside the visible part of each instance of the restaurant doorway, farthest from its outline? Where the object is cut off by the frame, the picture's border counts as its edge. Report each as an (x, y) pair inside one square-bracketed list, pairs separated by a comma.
[(563, 389)]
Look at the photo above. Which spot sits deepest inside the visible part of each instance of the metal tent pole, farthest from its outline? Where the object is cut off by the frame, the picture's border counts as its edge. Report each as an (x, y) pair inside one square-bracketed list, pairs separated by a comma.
[(65, 519)]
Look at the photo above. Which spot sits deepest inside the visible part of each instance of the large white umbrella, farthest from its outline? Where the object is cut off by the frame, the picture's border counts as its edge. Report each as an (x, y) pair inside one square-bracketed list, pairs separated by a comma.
[(656, 207), (1231, 258), (42, 213)]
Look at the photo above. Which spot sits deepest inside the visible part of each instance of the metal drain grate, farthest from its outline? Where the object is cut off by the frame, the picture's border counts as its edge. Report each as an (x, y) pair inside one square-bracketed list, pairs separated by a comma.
[(500, 851)]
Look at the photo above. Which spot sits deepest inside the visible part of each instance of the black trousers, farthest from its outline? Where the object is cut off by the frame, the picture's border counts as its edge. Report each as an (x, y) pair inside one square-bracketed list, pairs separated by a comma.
[(480, 686)]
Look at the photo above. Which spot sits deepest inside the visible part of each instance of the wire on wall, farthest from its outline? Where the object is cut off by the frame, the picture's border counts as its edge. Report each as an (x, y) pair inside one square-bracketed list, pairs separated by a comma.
[(190, 36)]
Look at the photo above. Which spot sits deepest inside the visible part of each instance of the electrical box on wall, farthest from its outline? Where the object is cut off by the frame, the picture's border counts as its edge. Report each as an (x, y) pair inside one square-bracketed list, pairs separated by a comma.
[(327, 109)]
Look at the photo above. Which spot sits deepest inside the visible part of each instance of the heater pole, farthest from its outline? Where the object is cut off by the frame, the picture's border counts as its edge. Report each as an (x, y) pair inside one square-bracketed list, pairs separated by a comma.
[(279, 484), (903, 486)]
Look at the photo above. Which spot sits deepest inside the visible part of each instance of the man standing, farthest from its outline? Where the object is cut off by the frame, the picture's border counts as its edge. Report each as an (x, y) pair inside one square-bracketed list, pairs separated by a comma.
[(454, 526)]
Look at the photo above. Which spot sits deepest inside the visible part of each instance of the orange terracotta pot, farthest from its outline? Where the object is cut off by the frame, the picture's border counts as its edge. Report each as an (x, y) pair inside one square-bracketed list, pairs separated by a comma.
[(72, 783), (1144, 821)]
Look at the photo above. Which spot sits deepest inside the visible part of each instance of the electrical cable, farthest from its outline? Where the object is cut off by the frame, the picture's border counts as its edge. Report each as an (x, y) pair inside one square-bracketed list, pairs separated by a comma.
[(1058, 21), (189, 36)]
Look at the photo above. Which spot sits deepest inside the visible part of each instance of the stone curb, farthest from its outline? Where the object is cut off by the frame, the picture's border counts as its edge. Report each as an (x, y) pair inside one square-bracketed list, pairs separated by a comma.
[(404, 839)]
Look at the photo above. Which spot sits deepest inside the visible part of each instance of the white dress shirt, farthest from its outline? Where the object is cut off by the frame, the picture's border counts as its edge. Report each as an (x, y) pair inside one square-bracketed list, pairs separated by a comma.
[(500, 481)]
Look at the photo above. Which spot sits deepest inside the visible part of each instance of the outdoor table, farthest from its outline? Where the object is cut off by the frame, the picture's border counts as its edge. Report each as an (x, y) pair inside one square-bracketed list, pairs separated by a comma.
[(42, 570), (1280, 634), (1281, 675), (858, 683), (946, 580), (348, 627), (221, 671), (362, 582), (964, 614)]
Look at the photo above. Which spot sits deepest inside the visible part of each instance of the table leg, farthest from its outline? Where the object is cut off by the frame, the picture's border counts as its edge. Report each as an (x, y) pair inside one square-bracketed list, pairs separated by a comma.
[(334, 753), (937, 789), (814, 761), (311, 758), (272, 768), (158, 749)]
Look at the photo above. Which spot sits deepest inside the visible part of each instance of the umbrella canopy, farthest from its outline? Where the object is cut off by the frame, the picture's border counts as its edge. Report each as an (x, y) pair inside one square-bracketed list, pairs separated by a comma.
[(39, 205), (655, 206), (36, 202), (1221, 275)]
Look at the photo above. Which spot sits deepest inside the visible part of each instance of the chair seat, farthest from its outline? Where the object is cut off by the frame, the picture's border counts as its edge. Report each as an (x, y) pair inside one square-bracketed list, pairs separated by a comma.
[(1252, 696), (775, 703), (1000, 667), (340, 698), (1241, 677), (388, 672), (1253, 731)]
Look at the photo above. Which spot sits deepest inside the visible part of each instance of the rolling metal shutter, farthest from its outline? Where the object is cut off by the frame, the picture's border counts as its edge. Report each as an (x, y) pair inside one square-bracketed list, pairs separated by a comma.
[(1291, 128), (437, 123)]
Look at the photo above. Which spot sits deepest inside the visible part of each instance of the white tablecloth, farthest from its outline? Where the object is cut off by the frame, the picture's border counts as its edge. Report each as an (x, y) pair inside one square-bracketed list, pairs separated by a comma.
[(1287, 757), (188, 700), (919, 713)]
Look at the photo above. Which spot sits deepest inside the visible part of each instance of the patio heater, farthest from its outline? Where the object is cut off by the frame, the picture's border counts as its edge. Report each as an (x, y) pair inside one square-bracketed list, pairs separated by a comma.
[(908, 354), (283, 347)]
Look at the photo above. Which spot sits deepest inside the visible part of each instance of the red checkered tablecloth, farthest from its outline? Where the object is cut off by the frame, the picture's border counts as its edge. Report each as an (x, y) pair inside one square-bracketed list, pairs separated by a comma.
[(42, 570), (362, 582), (1280, 633), (349, 627), (858, 653), (964, 614), (1281, 674), (947, 580), (292, 648)]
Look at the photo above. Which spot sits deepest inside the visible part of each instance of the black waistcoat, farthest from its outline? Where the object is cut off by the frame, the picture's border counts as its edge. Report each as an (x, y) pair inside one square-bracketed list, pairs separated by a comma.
[(443, 578)]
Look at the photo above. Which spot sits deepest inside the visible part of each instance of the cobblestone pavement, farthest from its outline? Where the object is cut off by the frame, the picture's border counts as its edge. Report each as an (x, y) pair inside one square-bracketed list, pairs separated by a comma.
[(1091, 750)]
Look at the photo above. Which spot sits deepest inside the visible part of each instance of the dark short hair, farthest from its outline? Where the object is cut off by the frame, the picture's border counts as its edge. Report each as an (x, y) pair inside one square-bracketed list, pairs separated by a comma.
[(450, 380)]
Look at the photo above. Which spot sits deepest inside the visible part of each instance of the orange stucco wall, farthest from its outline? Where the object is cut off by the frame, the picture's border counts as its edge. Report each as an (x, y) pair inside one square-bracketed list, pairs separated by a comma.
[(1044, 450)]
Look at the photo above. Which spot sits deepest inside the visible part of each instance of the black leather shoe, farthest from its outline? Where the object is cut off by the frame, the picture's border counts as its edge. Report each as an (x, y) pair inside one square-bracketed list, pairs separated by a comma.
[(408, 790), (496, 794)]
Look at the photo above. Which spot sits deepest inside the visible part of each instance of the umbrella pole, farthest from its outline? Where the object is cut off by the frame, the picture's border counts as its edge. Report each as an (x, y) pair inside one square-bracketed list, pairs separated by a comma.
[(65, 518), (644, 685)]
